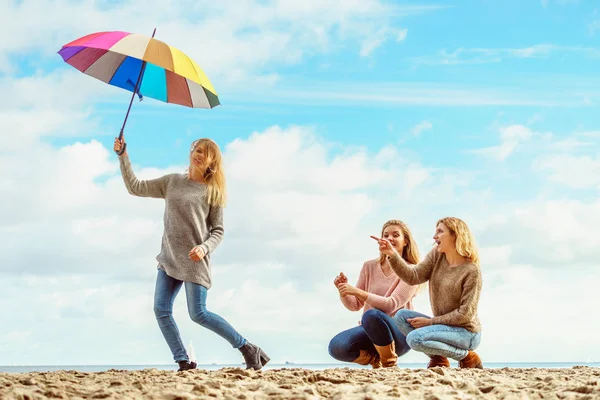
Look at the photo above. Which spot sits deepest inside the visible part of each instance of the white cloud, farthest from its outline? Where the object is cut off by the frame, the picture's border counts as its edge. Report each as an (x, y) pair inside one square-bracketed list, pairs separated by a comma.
[(78, 237), (65, 103), (475, 56), (578, 172), (421, 127), (300, 158), (572, 144), (402, 33), (535, 118), (368, 46), (237, 42), (546, 298), (64, 88), (545, 3), (511, 137), (78, 251), (232, 41), (56, 104), (377, 38), (547, 233), (365, 94), (300, 212), (568, 160)]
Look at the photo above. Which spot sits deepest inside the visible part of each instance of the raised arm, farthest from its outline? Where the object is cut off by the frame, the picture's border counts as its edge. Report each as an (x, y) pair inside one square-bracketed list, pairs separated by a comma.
[(217, 230), (469, 299), (351, 302), (150, 188), (413, 275)]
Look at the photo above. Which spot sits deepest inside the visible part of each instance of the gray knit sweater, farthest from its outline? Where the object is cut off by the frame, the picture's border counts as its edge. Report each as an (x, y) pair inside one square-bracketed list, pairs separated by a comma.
[(188, 221)]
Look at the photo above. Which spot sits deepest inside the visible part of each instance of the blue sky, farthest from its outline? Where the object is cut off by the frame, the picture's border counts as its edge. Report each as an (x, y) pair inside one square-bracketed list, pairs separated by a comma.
[(335, 117)]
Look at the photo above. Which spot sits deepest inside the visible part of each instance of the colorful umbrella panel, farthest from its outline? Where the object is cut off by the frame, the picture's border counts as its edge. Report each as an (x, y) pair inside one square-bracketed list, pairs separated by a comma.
[(116, 58)]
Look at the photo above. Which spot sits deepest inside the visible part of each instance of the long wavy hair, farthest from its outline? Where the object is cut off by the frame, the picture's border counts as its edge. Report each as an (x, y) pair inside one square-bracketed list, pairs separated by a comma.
[(214, 175), (465, 242), (410, 253)]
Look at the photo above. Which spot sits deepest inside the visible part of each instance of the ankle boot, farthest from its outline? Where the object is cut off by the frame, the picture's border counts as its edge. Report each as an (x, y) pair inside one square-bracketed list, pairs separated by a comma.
[(387, 354), (185, 365), (254, 356), (472, 360), (366, 358), (438, 361)]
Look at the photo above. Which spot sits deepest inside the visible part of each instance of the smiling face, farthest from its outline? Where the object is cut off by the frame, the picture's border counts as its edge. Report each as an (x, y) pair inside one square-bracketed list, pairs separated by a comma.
[(394, 234), (444, 238), (198, 159), (400, 237), (205, 157)]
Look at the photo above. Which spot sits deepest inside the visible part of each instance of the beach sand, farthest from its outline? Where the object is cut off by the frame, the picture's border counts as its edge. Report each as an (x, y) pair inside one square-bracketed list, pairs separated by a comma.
[(297, 383)]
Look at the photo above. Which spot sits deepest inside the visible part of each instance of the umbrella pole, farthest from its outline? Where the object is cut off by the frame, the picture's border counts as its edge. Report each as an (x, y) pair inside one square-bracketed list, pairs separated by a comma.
[(137, 85)]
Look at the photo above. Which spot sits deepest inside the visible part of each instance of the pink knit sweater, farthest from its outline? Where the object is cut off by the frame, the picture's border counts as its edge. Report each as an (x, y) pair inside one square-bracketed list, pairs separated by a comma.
[(386, 293)]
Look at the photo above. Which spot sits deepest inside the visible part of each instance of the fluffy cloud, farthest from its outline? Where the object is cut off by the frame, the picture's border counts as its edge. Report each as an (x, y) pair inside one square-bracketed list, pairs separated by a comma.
[(421, 127), (368, 46), (232, 41), (511, 137), (57, 104), (79, 253), (85, 247), (573, 171), (547, 233), (473, 56), (521, 305)]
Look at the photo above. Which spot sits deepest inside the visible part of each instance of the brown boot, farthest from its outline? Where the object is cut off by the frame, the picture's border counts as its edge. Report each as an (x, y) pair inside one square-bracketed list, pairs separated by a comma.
[(387, 354), (366, 358), (472, 360), (438, 361)]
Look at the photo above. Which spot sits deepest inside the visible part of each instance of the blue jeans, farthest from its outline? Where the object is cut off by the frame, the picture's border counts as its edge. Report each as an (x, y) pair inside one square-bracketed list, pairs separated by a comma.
[(441, 340), (376, 328), (164, 296)]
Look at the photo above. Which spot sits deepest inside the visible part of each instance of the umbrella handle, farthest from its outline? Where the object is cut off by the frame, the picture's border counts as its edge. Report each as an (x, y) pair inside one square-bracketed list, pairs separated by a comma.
[(123, 147)]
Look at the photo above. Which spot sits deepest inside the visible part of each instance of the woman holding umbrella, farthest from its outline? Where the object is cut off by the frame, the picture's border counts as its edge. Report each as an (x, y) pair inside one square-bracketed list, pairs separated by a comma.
[(193, 228)]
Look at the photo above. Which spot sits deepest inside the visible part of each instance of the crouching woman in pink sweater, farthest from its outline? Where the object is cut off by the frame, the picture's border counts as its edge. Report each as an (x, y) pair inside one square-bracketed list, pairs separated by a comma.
[(380, 293)]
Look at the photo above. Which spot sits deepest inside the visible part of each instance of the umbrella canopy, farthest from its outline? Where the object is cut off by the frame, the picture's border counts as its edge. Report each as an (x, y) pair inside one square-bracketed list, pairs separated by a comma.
[(118, 58)]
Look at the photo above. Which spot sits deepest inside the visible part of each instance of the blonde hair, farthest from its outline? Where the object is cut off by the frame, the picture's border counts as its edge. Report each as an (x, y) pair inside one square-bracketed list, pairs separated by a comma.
[(214, 174), (465, 242), (410, 252)]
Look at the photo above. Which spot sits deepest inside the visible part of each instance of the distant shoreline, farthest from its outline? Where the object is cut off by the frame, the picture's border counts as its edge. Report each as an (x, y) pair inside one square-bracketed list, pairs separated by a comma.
[(309, 366)]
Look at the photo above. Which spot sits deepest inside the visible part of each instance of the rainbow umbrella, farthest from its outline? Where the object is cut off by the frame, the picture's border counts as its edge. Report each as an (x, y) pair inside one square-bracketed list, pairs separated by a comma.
[(143, 65)]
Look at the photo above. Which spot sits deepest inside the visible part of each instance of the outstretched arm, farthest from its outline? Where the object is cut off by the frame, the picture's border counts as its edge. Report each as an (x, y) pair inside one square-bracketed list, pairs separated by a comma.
[(413, 275), (150, 188)]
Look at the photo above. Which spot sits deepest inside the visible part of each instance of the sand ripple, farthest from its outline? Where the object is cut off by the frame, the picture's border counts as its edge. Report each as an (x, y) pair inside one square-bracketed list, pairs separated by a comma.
[(296, 383)]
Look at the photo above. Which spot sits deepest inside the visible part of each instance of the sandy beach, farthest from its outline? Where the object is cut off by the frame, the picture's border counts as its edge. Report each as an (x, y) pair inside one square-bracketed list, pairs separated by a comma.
[(297, 383)]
